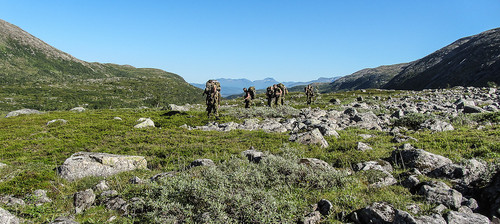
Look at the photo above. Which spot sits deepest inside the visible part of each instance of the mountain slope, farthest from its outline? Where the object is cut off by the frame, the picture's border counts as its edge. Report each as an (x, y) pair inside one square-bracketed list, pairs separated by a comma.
[(36, 75), (366, 78), (470, 61)]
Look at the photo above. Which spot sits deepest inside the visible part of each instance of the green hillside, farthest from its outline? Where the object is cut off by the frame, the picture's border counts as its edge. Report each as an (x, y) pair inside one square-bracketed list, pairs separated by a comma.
[(38, 76)]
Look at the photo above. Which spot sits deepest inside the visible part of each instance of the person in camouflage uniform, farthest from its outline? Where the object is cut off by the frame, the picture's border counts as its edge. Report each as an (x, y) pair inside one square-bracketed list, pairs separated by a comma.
[(278, 93), (213, 99), (309, 93), (247, 97), (270, 96), (284, 92)]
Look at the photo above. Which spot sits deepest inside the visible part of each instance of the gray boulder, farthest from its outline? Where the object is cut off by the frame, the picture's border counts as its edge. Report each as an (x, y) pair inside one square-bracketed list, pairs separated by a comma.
[(11, 201), (436, 125), (145, 123), (431, 219), (312, 218), (440, 193), (84, 164), (22, 111), (62, 121), (78, 109), (316, 163), (253, 155), (454, 217), (420, 159), (38, 197), (7, 218), (201, 162), (310, 138), (64, 220), (82, 200), (117, 204), (378, 212), (363, 147)]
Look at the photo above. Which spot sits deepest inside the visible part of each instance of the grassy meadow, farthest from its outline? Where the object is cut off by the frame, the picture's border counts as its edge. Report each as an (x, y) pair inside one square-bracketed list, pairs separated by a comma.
[(278, 190)]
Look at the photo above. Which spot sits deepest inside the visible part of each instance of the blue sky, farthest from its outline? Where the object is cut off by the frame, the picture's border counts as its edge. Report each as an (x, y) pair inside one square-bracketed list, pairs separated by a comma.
[(287, 40)]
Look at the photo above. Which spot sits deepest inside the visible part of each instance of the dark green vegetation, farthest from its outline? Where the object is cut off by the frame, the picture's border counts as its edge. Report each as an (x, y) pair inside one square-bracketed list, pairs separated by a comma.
[(278, 190), (37, 76)]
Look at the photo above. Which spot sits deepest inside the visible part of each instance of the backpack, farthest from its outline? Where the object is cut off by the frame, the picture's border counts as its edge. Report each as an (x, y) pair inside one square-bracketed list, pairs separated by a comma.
[(269, 91), (252, 92), (284, 90), (212, 89)]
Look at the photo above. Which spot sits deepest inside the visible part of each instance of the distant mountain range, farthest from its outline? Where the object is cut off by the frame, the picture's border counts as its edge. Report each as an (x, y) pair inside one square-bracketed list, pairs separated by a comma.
[(469, 61), (235, 86), (36, 75)]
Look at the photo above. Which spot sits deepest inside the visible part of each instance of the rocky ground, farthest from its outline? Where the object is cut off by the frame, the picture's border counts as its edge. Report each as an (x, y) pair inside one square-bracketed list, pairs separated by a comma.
[(474, 195)]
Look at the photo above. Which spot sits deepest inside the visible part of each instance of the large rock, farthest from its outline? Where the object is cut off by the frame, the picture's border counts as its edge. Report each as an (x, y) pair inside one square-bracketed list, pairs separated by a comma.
[(145, 123), (454, 217), (7, 218), (22, 111), (424, 161), (440, 193), (64, 220), (378, 212), (436, 125), (310, 138), (432, 219), (84, 164)]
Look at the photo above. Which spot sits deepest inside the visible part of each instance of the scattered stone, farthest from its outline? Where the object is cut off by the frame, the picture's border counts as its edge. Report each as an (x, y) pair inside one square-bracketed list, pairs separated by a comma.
[(253, 155), (78, 109), (312, 218), (145, 123), (64, 220), (117, 118), (8, 218), (363, 147), (57, 120), (440, 193), (108, 194), (378, 212), (324, 207), (436, 125), (471, 203), (313, 162), (178, 108), (11, 201), (310, 138), (160, 176), (465, 218), (84, 164), (117, 204), (102, 186), (201, 162), (38, 197), (418, 158), (82, 200), (365, 136), (135, 180), (22, 111), (433, 219), (380, 165)]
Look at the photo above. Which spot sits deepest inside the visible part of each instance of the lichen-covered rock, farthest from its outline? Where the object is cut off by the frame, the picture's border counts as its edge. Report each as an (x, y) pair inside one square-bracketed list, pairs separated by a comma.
[(253, 155), (22, 111), (424, 161), (310, 138), (436, 125), (7, 218), (84, 164), (145, 123), (454, 217), (82, 200), (378, 212), (440, 193), (201, 162)]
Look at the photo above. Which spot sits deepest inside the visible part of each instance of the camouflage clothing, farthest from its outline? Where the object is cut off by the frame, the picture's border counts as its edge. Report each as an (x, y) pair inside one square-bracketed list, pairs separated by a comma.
[(278, 94), (247, 97), (309, 93), (270, 96), (212, 90)]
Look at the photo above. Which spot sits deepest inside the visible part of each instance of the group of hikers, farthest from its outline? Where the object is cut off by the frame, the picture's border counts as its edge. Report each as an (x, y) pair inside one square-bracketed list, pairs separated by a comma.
[(275, 95)]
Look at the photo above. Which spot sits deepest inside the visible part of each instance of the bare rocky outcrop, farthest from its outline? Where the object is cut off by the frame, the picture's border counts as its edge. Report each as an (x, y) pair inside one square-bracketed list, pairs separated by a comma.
[(84, 164)]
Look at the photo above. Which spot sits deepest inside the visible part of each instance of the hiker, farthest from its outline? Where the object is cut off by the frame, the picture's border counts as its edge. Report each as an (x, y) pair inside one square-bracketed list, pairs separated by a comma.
[(284, 91), (212, 90), (309, 93), (247, 97), (270, 96), (278, 93)]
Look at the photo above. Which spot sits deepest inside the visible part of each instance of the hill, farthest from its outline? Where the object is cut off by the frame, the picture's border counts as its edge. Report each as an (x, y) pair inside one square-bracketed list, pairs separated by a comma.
[(369, 78), (470, 61), (36, 75)]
